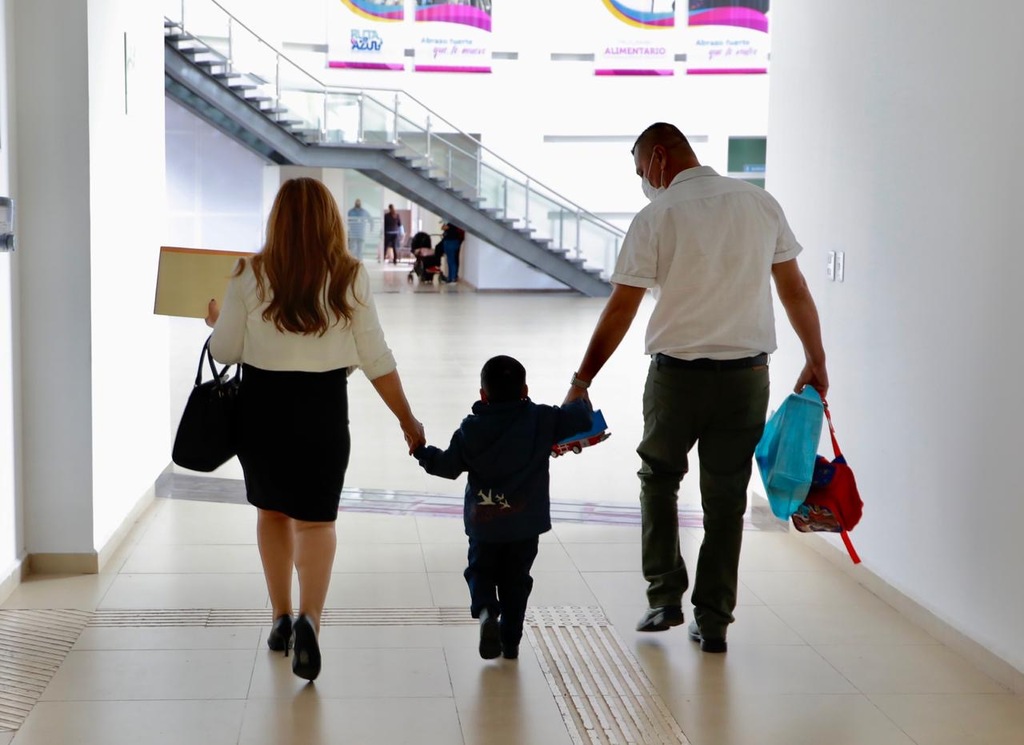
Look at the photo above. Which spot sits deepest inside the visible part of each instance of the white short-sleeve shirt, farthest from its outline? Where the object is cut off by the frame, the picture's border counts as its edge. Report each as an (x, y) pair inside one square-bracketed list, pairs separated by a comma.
[(705, 247), (241, 334)]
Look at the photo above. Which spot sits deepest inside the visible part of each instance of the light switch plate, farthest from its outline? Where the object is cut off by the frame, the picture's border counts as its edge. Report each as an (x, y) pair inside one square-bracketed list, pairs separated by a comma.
[(840, 266), (830, 268)]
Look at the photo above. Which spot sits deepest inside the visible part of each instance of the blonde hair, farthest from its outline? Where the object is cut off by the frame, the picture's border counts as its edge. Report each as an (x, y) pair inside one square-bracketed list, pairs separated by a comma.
[(305, 252)]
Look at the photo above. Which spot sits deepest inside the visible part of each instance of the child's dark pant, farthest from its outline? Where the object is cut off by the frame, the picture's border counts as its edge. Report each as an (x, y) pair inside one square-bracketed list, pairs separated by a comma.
[(499, 580)]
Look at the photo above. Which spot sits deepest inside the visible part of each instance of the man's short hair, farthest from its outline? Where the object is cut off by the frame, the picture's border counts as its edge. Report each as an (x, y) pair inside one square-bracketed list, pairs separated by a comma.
[(502, 379), (660, 133)]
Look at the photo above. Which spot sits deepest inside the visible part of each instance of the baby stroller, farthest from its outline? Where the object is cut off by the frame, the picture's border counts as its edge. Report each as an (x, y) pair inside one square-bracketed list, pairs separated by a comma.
[(427, 266)]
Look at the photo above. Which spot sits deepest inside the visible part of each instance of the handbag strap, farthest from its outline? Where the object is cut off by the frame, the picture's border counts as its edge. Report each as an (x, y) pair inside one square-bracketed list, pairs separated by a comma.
[(831, 430), (207, 356)]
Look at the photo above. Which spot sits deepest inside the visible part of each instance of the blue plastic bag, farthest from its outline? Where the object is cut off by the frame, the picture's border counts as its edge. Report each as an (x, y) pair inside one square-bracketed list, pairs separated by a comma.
[(788, 448)]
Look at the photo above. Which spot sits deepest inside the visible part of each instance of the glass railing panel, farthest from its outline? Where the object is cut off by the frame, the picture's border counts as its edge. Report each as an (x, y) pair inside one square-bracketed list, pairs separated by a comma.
[(343, 113), (444, 159), (305, 107), (208, 23), (377, 121), (598, 245), (253, 58), (415, 117), (543, 217), (492, 189), (411, 137), (516, 196)]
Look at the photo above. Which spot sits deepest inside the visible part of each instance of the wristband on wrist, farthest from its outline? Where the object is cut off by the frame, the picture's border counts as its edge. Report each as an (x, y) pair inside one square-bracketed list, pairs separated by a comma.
[(579, 382)]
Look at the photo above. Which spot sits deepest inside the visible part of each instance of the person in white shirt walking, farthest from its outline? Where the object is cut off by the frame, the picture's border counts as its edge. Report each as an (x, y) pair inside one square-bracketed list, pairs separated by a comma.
[(708, 247), (300, 317)]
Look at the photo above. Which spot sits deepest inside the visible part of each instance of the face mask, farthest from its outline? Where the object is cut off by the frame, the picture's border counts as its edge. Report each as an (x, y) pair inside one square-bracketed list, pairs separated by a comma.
[(650, 191)]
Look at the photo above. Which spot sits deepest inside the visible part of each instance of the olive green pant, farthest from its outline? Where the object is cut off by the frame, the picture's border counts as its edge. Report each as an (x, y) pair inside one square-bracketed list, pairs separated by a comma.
[(723, 412)]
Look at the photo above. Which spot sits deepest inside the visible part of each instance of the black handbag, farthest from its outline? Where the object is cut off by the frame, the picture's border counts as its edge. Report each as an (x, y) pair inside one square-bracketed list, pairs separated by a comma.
[(207, 432)]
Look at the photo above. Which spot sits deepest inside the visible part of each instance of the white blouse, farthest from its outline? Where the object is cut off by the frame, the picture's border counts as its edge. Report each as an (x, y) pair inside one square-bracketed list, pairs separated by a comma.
[(241, 334)]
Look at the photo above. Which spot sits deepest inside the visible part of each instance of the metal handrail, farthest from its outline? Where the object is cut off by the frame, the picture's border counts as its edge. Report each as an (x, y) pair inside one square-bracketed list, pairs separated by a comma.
[(530, 182)]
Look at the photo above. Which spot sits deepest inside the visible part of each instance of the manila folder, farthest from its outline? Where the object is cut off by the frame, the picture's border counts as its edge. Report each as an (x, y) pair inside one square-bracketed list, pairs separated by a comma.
[(188, 278)]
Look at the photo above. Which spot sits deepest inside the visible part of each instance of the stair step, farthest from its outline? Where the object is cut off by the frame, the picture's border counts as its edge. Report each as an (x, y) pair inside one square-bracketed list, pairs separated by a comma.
[(526, 231), (272, 110), (289, 123), (179, 37), (243, 87), (210, 65)]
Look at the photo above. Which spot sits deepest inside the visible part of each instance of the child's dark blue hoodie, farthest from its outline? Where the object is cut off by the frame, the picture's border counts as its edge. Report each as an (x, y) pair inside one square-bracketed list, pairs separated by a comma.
[(506, 448)]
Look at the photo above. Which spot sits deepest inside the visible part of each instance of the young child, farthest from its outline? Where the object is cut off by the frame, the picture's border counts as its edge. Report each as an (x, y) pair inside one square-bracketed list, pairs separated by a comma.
[(505, 445)]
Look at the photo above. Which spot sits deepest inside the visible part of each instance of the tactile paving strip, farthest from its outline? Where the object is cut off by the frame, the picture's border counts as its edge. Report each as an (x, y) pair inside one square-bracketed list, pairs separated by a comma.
[(207, 617), (33, 645), (603, 694)]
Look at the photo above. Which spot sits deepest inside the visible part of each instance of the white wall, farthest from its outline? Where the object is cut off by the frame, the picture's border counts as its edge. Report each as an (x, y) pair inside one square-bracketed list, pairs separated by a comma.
[(51, 87), (10, 507), (488, 268), (91, 204), (889, 144), (127, 208)]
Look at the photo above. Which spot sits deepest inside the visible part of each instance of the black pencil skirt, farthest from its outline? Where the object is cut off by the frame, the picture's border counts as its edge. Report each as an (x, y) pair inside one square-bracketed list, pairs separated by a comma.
[(294, 441)]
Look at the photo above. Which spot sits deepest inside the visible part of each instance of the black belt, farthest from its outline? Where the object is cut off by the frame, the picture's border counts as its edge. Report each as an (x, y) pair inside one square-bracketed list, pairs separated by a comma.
[(663, 360)]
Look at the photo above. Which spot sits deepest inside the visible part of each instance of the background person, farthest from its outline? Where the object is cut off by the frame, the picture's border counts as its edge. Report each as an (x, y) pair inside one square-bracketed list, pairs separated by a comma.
[(452, 237), (392, 233), (708, 246), (299, 316), (359, 223)]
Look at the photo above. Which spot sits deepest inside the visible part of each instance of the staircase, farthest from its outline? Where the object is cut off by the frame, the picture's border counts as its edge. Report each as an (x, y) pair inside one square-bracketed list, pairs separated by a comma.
[(288, 117)]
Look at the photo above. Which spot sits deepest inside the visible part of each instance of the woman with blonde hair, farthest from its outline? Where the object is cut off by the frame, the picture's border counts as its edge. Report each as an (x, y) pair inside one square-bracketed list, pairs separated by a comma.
[(299, 316)]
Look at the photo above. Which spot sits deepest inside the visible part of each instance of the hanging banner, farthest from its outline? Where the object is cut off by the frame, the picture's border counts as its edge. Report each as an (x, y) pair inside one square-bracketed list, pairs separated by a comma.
[(366, 34), (453, 35), (728, 36), (638, 42)]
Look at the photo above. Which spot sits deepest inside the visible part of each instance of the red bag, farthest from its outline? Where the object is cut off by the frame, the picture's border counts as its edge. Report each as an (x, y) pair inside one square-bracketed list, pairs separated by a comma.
[(833, 504)]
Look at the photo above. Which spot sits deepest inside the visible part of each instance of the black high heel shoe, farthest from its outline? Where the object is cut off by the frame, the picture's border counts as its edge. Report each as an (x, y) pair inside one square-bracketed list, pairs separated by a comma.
[(306, 662), (280, 637)]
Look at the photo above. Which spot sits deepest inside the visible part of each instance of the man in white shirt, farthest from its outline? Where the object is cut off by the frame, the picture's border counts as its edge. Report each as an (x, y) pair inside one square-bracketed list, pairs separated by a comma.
[(707, 247)]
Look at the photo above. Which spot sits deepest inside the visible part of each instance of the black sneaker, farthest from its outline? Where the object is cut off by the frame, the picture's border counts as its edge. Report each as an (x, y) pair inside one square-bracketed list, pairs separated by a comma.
[(714, 646), (490, 636), (661, 619), (510, 651)]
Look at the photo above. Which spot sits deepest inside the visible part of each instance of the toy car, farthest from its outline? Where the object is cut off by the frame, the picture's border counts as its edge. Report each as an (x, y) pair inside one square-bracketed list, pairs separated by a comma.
[(597, 433)]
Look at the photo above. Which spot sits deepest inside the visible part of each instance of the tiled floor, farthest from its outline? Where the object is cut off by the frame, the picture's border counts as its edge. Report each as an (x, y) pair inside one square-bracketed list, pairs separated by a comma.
[(814, 658)]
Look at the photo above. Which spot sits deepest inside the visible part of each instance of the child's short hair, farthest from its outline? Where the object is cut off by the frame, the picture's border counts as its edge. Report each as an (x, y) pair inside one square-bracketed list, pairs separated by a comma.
[(502, 379)]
